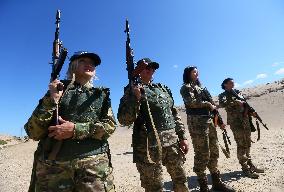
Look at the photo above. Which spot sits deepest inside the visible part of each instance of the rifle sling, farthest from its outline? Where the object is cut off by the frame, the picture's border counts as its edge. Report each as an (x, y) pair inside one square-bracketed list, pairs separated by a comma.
[(258, 130), (149, 121)]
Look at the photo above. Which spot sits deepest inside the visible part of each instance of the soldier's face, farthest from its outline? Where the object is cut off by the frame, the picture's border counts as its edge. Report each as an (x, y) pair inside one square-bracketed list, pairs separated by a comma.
[(147, 74), (85, 68), (230, 85), (194, 74)]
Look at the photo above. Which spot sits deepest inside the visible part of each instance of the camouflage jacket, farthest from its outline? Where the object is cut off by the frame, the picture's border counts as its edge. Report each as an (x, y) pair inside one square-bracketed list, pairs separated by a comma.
[(193, 99), (165, 116), (88, 108), (233, 109)]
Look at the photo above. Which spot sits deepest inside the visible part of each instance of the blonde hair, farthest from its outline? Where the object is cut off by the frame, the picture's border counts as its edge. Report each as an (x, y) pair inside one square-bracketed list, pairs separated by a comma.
[(70, 74)]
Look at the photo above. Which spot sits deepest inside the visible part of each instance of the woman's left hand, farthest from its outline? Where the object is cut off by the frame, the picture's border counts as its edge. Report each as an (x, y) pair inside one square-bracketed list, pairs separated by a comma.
[(183, 144)]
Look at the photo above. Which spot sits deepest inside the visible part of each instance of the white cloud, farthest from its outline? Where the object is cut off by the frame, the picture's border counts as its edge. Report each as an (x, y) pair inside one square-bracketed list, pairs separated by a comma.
[(175, 66), (275, 64), (279, 71), (248, 82), (237, 85), (261, 76)]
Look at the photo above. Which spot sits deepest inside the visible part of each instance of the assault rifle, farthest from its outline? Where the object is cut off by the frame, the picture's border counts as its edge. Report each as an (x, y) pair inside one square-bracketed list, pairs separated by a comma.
[(132, 77), (59, 55), (250, 111), (217, 119)]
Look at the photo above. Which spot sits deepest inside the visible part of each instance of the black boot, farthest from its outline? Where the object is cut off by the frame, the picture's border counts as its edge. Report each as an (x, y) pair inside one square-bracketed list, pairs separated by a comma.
[(248, 172), (218, 185), (253, 168), (203, 184)]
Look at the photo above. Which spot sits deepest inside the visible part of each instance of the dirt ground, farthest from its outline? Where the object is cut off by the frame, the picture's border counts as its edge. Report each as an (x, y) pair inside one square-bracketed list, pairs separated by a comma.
[(268, 100)]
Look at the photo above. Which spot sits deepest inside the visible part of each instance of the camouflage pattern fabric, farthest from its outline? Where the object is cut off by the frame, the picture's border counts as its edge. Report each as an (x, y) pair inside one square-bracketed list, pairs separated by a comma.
[(170, 129), (202, 131), (233, 109), (205, 143), (89, 174), (239, 124), (88, 107), (90, 110), (242, 135), (151, 174), (165, 115), (193, 96)]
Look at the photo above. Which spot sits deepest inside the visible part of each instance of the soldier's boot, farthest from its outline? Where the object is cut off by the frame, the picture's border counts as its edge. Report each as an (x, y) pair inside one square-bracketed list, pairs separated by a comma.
[(248, 173), (218, 185), (203, 184), (253, 168)]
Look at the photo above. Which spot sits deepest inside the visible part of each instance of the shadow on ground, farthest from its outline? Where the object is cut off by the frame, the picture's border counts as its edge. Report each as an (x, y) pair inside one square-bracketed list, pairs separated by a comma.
[(194, 186)]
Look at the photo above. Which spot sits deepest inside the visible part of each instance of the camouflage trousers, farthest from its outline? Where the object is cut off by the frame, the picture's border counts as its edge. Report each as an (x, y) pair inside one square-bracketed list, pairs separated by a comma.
[(205, 143), (88, 174), (242, 134), (151, 174)]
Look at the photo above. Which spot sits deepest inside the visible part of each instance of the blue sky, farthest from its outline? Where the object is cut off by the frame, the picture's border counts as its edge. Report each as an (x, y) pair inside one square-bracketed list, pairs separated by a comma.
[(237, 38)]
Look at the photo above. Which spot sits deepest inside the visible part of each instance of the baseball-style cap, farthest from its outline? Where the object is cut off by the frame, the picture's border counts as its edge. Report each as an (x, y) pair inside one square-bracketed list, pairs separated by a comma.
[(149, 63), (93, 56), (143, 64)]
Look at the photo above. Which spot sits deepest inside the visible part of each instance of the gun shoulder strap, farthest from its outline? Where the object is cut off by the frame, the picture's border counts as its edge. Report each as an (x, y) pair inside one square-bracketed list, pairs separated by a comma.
[(150, 122)]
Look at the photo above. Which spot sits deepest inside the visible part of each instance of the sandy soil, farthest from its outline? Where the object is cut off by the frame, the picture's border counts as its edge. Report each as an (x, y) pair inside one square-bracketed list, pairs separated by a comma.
[(268, 100)]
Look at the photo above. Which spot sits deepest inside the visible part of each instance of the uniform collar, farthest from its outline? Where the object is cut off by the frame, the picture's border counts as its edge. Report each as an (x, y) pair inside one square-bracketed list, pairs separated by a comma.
[(87, 86)]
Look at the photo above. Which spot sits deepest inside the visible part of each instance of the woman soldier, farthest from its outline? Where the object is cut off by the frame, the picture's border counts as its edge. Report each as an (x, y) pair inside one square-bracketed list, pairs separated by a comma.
[(167, 125), (73, 155), (202, 131), (239, 122)]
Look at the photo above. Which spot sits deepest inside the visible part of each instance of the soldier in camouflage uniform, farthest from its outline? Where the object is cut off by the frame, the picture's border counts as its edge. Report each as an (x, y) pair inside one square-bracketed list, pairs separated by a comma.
[(82, 161), (171, 131), (202, 131), (240, 126)]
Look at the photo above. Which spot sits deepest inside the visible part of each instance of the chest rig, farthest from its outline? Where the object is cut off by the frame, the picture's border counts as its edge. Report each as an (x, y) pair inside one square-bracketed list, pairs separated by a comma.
[(82, 105), (160, 103)]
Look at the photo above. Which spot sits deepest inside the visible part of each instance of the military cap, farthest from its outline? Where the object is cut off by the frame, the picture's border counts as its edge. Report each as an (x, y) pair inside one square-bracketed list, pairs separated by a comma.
[(149, 63), (93, 56), (143, 64)]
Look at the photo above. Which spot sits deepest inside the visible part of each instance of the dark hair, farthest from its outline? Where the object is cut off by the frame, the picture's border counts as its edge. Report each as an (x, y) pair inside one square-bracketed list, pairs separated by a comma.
[(186, 75), (225, 82)]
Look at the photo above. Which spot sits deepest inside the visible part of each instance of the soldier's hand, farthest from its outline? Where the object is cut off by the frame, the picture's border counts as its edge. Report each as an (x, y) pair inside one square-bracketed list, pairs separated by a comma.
[(212, 107), (183, 144), (223, 126), (254, 114), (54, 93), (137, 91), (63, 131)]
